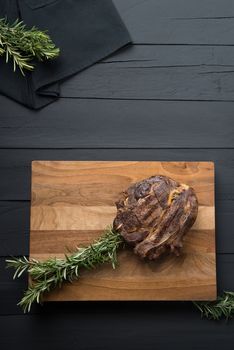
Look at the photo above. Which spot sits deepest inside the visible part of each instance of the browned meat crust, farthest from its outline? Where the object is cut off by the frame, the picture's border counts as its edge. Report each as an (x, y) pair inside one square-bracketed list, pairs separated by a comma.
[(154, 214)]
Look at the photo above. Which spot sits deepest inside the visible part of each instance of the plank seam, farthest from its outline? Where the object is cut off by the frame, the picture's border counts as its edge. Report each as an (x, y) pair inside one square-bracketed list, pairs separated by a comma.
[(111, 147), (141, 99)]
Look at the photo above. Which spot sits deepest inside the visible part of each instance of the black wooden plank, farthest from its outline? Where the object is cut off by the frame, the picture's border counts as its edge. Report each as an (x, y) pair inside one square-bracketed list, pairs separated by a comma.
[(158, 72), (179, 22), (14, 232), (180, 8), (159, 328), (172, 55), (11, 292), (168, 73), (85, 123)]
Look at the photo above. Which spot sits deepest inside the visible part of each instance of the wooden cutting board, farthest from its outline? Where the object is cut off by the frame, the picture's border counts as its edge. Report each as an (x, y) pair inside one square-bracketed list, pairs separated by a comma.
[(73, 202)]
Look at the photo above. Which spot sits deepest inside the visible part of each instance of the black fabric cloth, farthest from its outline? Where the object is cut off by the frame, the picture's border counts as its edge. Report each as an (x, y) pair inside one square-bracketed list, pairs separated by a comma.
[(86, 31)]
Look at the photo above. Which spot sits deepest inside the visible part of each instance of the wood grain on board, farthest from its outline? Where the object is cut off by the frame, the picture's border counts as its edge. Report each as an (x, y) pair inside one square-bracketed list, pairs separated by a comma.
[(74, 201)]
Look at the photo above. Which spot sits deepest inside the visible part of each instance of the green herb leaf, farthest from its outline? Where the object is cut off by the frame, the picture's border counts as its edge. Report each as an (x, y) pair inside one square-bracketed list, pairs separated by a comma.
[(49, 274), (222, 307), (22, 45)]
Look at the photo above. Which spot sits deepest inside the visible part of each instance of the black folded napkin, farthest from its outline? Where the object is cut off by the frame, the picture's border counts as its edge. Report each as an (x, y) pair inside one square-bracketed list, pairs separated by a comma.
[(86, 31)]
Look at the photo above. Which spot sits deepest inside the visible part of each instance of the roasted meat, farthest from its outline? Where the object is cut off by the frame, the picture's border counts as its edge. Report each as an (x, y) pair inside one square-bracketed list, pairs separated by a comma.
[(153, 215)]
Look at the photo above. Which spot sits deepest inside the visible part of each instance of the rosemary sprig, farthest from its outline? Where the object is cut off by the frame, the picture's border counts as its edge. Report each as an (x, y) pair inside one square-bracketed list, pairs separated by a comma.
[(222, 307), (49, 274), (23, 45)]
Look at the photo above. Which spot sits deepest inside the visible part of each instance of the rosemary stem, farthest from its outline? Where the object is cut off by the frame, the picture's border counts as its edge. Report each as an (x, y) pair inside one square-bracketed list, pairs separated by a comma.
[(49, 274), (52, 273), (22, 45), (215, 310)]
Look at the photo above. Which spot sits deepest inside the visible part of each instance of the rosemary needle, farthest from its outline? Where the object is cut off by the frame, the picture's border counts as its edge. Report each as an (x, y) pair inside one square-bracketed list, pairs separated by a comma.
[(222, 307), (49, 274), (22, 45)]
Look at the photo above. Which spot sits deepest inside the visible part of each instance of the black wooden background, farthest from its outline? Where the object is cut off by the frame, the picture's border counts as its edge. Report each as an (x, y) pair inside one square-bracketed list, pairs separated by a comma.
[(168, 97)]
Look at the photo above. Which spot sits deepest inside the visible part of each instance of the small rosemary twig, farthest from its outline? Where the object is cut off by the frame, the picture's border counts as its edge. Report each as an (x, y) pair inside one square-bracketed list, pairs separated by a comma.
[(222, 307), (22, 44), (47, 275)]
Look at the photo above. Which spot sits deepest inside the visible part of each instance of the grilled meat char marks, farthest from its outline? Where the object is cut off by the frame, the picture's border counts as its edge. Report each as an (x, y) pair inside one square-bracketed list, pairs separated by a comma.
[(154, 214)]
